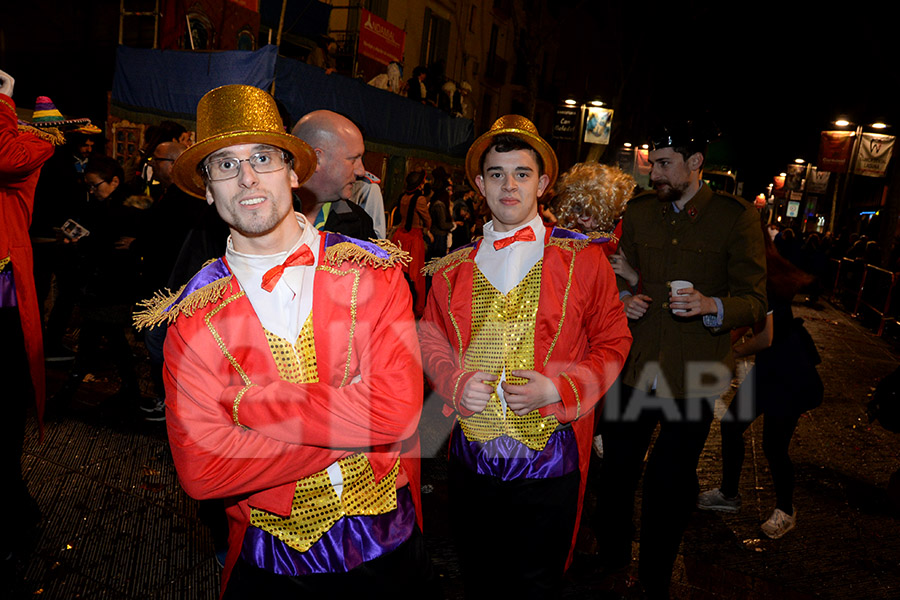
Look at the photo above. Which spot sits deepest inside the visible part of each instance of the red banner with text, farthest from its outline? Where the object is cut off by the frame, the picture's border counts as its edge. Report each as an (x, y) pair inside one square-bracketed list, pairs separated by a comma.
[(379, 40), (834, 151)]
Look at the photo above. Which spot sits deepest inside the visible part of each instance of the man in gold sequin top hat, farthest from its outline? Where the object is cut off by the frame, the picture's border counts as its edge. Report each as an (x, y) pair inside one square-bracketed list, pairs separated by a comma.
[(522, 335), (293, 377)]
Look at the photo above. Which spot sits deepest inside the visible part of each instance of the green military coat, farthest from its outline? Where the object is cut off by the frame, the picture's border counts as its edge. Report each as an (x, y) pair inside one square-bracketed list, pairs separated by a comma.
[(716, 243)]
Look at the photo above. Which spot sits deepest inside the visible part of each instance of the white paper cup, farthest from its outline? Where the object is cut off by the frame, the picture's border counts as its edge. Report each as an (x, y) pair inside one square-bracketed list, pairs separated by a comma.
[(676, 286)]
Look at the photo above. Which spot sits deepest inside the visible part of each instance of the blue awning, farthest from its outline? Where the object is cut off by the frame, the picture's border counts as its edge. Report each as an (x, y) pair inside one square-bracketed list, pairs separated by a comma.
[(169, 83)]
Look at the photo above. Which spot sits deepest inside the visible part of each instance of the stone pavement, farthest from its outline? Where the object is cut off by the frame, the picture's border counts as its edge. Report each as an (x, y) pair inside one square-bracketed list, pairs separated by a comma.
[(117, 524)]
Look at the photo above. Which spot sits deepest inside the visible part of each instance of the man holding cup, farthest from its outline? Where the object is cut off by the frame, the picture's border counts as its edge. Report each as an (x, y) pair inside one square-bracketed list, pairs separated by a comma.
[(701, 259)]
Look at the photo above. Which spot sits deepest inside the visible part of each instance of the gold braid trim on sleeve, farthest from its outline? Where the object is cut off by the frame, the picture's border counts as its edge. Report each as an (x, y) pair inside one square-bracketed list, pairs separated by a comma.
[(577, 397), (4, 262), (436, 264), (348, 251), (237, 402), (455, 390), (165, 306)]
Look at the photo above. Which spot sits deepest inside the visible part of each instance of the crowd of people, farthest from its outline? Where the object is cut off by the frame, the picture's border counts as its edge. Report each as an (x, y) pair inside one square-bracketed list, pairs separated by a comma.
[(557, 315)]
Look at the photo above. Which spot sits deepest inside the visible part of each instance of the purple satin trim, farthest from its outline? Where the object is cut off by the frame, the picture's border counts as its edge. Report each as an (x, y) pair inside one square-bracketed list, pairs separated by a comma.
[(332, 239), (204, 277), (508, 459), (349, 543), (7, 290), (568, 234)]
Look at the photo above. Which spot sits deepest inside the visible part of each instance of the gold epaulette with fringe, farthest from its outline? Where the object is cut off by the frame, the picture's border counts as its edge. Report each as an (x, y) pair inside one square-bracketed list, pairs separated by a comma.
[(436, 264), (348, 251), (51, 134), (580, 244), (165, 306)]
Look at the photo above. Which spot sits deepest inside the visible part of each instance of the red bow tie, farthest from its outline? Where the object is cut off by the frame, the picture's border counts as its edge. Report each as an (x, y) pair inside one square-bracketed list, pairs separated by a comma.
[(523, 235), (301, 257)]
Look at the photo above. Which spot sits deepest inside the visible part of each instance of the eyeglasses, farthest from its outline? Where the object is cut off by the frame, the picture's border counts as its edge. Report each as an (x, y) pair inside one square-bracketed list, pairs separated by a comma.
[(160, 159), (94, 186), (270, 161)]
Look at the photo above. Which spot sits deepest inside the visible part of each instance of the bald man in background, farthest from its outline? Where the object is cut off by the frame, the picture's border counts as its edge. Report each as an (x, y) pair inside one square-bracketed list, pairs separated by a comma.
[(324, 199)]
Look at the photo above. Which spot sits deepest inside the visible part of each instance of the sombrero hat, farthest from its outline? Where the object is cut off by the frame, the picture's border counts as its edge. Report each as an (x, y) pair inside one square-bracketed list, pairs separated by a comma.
[(517, 126), (238, 114), (46, 115), (49, 124)]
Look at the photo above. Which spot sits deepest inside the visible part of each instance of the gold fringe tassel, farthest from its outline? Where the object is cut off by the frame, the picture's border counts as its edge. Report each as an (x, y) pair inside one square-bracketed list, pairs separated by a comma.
[(348, 251), (155, 309), (51, 134), (436, 264)]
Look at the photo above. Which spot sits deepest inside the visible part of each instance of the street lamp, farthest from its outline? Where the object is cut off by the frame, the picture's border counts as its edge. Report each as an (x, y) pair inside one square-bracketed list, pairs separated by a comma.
[(854, 152)]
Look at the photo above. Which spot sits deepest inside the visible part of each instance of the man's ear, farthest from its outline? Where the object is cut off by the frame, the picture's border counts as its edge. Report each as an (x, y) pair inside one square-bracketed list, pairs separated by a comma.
[(695, 161), (319, 153), (114, 182), (209, 196), (543, 182), (295, 181), (479, 181)]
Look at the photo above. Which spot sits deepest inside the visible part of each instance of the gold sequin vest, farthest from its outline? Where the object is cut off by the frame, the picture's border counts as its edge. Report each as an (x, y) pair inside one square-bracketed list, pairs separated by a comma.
[(503, 340), (316, 505)]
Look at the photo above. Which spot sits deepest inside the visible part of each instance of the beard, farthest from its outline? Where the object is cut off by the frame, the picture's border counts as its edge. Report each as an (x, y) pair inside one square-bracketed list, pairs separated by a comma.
[(667, 192)]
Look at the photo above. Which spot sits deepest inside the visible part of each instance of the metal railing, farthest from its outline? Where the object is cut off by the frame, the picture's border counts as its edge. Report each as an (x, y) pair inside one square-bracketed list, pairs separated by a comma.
[(865, 289)]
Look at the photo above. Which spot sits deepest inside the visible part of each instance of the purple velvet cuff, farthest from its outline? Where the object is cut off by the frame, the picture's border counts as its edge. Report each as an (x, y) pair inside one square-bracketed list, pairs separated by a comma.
[(349, 543), (7, 290), (508, 459)]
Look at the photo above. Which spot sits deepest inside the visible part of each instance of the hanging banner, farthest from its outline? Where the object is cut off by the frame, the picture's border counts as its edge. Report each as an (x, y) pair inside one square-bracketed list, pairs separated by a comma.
[(248, 4), (599, 125), (818, 181), (625, 159), (874, 154), (794, 180), (642, 167), (834, 151), (642, 161), (565, 125), (379, 40)]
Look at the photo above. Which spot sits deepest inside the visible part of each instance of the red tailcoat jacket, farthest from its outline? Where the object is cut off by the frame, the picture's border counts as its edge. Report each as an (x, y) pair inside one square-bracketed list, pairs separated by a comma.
[(240, 432), (581, 335), (21, 157)]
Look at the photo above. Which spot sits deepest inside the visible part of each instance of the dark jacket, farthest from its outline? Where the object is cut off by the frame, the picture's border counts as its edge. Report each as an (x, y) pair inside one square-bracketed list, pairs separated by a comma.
[(716, 243)]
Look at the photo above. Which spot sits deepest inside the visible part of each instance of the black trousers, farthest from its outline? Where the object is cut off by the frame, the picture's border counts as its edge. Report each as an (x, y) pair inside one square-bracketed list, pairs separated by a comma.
[(513, 537), (777, 433), (670, 480), (405, 573), (18, 398)]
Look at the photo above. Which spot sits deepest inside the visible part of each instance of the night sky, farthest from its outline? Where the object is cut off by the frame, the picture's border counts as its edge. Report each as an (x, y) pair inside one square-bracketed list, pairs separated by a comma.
[(771, 75)]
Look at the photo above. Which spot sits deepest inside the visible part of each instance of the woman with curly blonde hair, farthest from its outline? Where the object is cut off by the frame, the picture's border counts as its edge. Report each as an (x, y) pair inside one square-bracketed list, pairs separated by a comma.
[(591, 196)]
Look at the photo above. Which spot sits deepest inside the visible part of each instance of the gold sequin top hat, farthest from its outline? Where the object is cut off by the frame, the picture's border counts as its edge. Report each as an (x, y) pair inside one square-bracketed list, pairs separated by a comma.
[(521, 128), (238, 114)]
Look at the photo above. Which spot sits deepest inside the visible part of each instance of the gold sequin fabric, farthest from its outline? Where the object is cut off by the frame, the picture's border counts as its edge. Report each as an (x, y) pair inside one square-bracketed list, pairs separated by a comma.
[(316, 505), (503, 338), (296, 362)]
